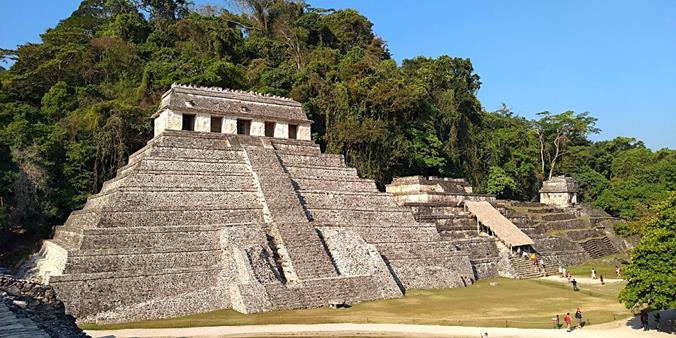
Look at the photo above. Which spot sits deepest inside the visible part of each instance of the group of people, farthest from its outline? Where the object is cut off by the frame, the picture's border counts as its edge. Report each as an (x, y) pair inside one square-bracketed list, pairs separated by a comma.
[(537, 262), (645, 320), (593, 276), (571, 279), (568, 320)]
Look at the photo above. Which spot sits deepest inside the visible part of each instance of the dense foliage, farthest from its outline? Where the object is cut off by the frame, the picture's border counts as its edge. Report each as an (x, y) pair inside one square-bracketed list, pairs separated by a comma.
[(73, 107), (651, 275)]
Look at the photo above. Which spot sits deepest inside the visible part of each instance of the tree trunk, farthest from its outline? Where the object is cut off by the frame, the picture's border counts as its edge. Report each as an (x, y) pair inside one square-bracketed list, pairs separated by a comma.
[(556, 155), (541, 137)]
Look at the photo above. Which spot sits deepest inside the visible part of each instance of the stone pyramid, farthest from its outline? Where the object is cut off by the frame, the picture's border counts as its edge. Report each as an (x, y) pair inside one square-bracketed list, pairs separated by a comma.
[(214, 214)]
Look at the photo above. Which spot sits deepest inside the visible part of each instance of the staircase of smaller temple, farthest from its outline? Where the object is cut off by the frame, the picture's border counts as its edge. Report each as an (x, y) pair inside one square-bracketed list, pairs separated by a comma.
[(561, 235), (525, 269), (598, 247)]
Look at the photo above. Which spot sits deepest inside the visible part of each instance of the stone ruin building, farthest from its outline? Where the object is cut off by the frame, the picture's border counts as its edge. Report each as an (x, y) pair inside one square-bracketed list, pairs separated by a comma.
[(231, 205), (560, 191)]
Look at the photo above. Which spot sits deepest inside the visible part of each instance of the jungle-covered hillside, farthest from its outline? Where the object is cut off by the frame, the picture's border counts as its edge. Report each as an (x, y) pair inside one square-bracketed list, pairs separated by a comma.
[(76, 105)]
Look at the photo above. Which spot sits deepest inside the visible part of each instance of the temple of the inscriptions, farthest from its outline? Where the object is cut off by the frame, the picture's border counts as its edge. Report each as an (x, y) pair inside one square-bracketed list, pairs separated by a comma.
[(232, 205)]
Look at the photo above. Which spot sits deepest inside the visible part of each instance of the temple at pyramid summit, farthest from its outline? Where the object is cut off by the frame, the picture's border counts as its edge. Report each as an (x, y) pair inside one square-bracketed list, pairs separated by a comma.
[(231, 205)]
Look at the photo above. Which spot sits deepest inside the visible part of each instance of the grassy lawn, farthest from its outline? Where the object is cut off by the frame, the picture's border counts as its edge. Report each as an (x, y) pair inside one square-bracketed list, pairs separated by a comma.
[(507, 302), (604, 266)]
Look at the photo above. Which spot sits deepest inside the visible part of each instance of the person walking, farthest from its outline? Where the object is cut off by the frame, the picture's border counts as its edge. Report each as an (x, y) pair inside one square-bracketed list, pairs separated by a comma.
[(574, 282), (601, 279), (563, 272), (618, 272), (557, 322), (542, 264), (578, 317), (593, 275), (567, 319)]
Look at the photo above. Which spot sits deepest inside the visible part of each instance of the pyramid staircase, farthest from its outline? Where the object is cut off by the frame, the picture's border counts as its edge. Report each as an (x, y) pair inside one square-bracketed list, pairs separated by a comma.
[(334, 197)]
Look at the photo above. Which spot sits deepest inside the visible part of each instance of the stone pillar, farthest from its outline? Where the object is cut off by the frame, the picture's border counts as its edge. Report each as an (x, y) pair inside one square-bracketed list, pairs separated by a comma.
[(174, 120), (281, 130), (229, 125), (203, 122), (257, 128), (160, 123), (304, 132)]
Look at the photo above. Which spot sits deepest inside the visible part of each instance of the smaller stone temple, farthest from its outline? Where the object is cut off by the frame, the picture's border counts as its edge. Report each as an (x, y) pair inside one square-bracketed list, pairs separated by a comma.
[(560, 191), (232, 112)]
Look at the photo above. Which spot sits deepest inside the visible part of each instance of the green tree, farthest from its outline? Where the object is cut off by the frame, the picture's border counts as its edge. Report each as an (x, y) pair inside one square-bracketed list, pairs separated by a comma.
[(591, 183), (556, 132), (651, 273), (500, 184)]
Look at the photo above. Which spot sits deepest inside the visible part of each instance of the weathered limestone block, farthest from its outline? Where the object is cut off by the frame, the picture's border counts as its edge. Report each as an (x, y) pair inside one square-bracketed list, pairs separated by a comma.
[(304, 132), (229, 125), (203, 122), (167, 120), (257, 128), (281, 130)]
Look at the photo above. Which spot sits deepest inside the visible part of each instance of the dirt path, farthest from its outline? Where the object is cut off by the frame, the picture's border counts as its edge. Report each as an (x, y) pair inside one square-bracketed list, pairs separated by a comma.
[(618, 329), (581, 280)]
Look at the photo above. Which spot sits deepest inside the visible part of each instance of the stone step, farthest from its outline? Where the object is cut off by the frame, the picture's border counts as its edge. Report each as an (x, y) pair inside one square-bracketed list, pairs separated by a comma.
[(67, 239), (380, 216), (195, 140), (544, 210), (145, 260), (179, 153), (390, 234), (324, 160), (291, 228), (347, 200), (177, 216), (428, 250), (543, 227), (162, 164), (154, 200), (321, 172), (162, 237), (300, 149), (558, 217), (225, 176), (340, 184), (458, 234)]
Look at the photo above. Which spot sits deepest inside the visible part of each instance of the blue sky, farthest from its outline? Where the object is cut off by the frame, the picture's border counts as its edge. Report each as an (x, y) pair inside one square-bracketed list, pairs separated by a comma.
[(615, 59)]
